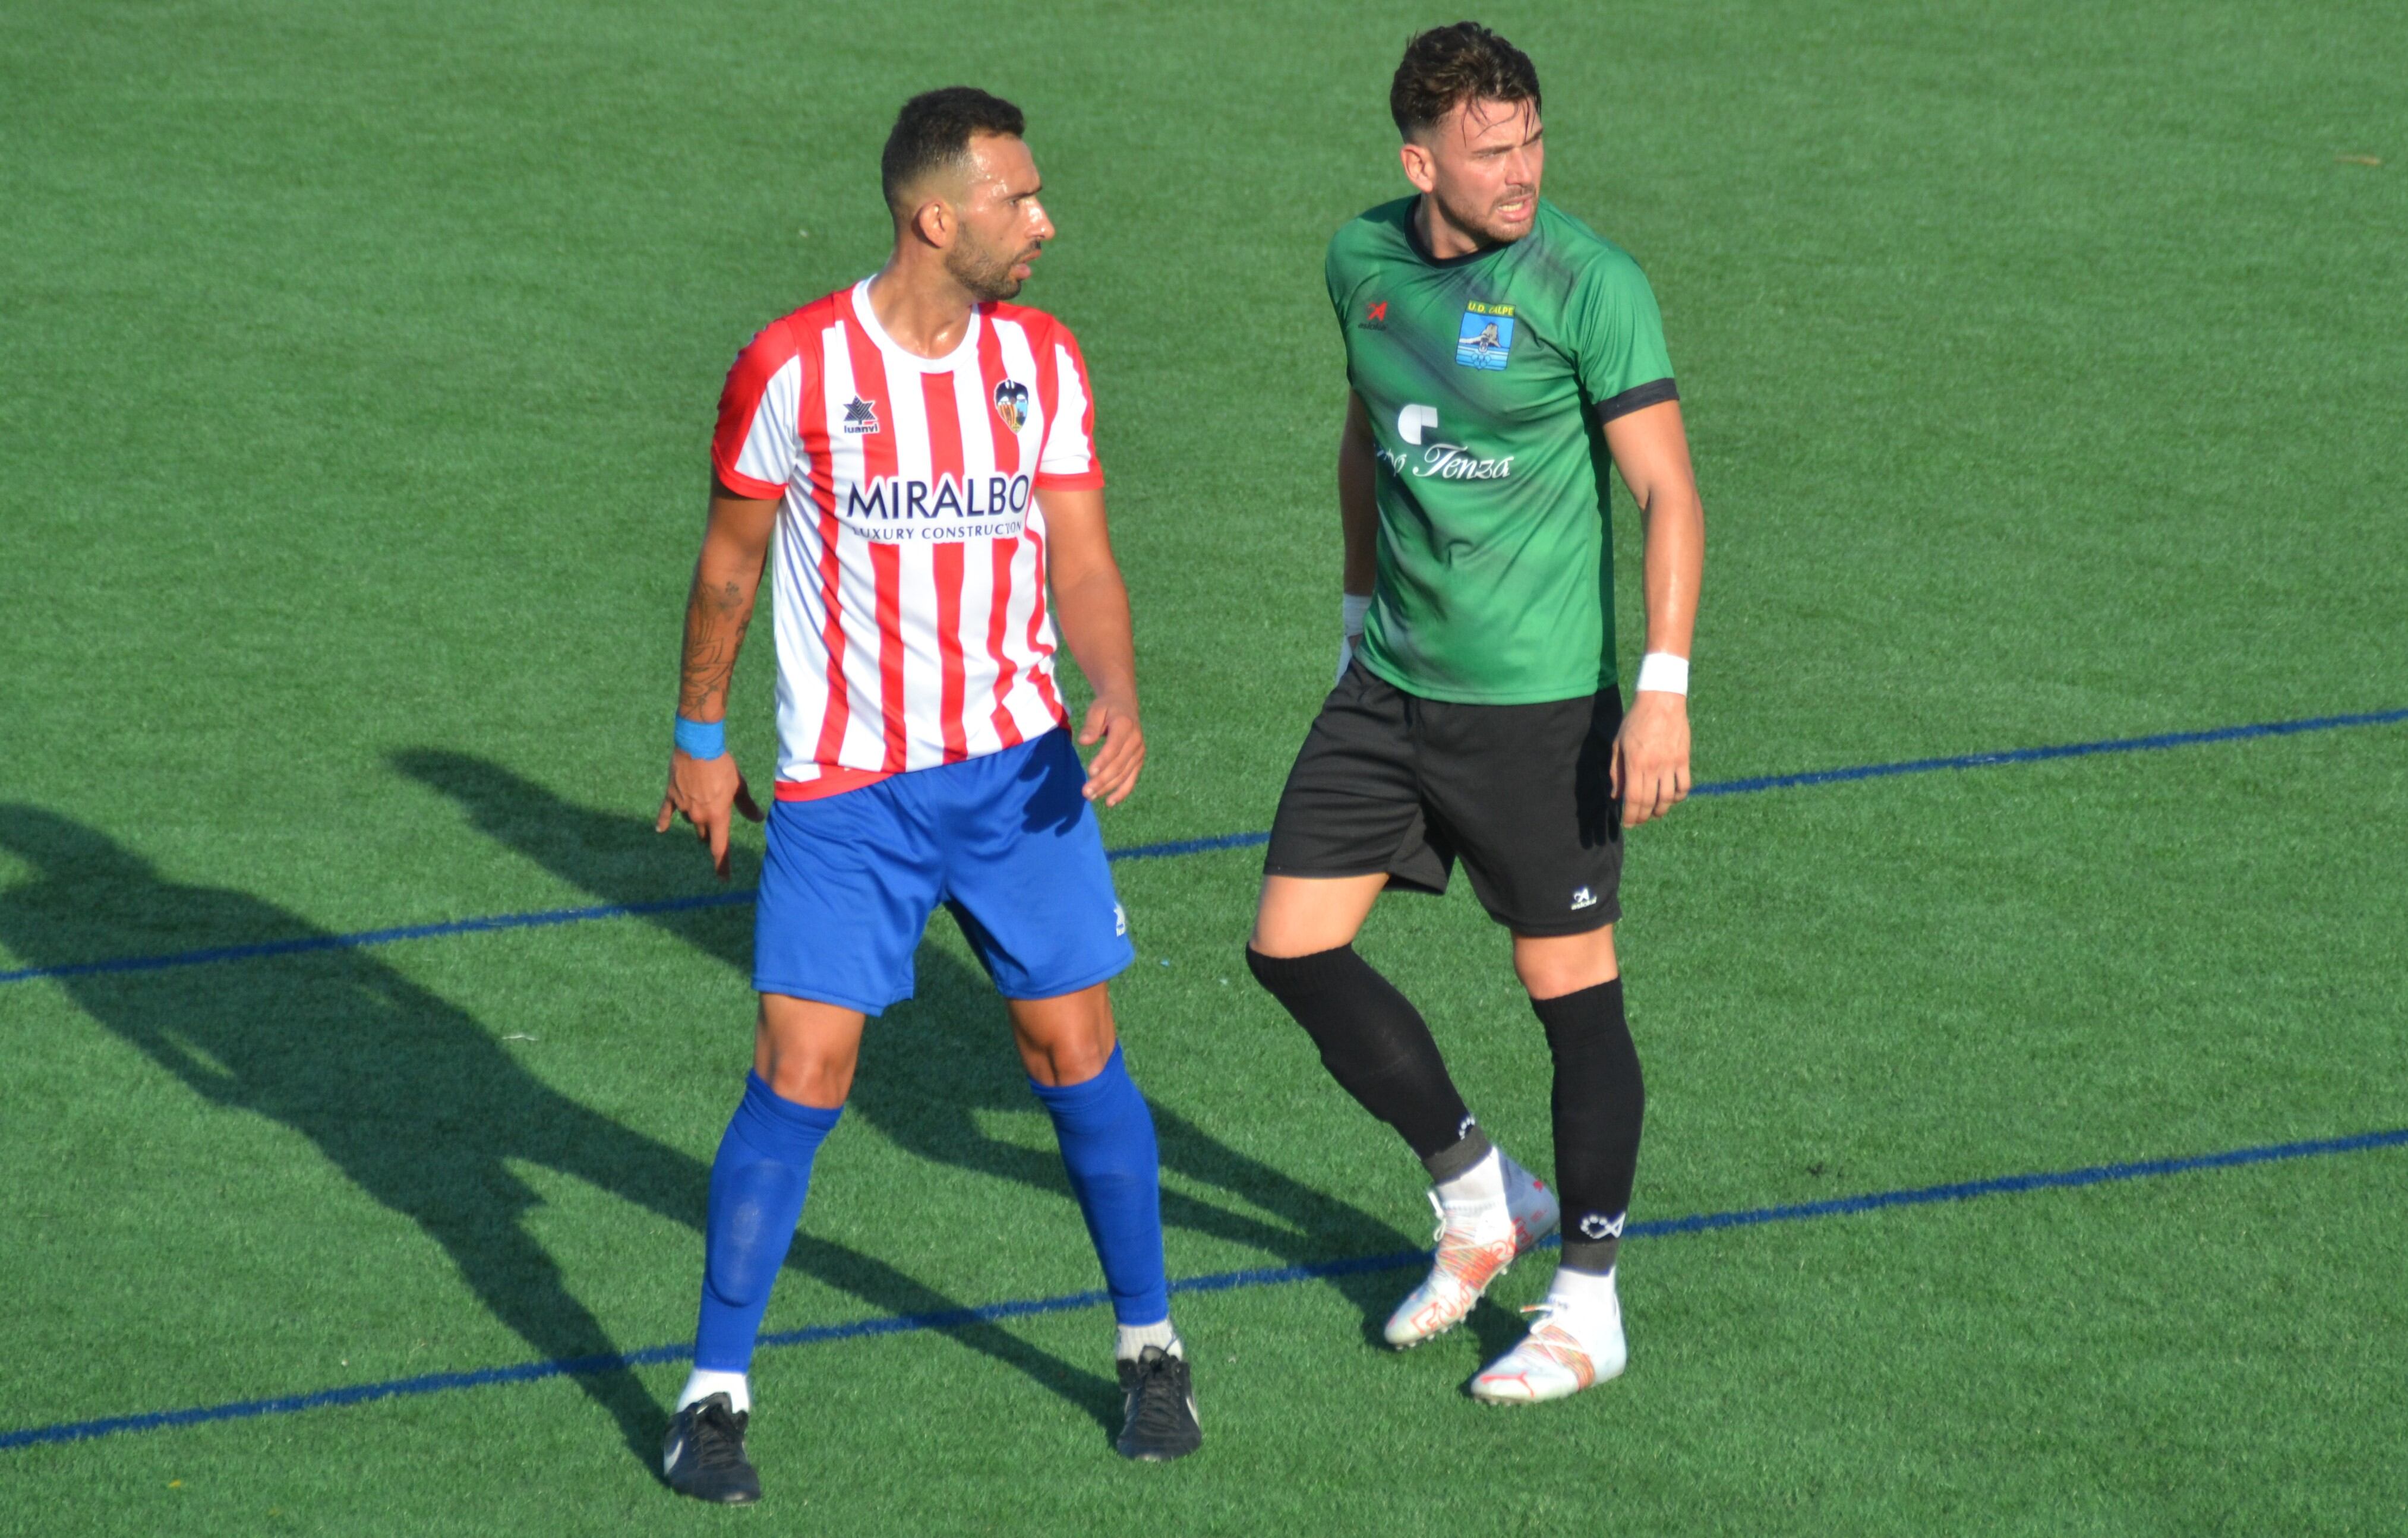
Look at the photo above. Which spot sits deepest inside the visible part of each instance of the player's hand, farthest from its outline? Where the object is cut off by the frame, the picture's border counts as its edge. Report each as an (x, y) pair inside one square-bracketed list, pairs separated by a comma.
[(705, 792), (1111, 774), (1651, 756)]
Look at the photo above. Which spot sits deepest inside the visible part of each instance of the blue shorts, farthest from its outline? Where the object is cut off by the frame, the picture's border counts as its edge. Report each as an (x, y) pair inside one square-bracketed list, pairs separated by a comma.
[(1004, 840)]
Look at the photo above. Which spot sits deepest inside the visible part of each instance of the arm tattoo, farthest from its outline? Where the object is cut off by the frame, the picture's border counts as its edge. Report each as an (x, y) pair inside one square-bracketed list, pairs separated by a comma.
[(716, 618)]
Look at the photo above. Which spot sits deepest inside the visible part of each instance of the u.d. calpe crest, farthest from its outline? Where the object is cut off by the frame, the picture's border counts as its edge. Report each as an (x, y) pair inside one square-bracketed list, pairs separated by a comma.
[(1012, 404)]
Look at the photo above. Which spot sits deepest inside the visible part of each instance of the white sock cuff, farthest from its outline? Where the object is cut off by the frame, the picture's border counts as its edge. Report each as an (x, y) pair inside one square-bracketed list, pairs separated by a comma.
[(1134, 1338), (1581, 1293), (702, 1383)]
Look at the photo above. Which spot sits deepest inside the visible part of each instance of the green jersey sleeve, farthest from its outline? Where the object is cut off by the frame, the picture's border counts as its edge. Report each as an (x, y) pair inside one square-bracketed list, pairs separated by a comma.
[(1619, 338), (1335, 276)]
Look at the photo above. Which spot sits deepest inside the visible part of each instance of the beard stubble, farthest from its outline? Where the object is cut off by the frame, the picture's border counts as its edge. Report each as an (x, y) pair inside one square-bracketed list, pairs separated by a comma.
[(985, 273)]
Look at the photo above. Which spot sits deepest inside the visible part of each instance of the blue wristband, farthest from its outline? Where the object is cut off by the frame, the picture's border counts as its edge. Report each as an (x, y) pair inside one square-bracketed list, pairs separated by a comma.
[(701, 739)]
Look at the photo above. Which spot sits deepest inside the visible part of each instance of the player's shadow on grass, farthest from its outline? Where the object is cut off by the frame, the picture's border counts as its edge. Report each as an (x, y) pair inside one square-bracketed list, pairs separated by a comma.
[(929, 1067), (406, 1093)]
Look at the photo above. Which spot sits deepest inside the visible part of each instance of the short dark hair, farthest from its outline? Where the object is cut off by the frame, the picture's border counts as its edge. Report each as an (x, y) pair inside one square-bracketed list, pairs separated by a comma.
[(1446, 66), (934, 129)]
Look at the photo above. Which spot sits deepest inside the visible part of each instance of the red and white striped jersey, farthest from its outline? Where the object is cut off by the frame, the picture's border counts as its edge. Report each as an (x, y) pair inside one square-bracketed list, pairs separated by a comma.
[(907, 569)]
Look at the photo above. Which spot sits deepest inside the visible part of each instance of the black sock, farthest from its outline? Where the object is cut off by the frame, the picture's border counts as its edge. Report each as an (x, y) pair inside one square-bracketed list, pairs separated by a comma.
[(1454, 1159), (1375, 1045), (1598, 1105)]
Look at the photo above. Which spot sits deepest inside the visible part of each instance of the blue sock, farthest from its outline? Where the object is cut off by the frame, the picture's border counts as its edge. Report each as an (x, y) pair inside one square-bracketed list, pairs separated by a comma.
[(757, 1186), (1107, 1137)]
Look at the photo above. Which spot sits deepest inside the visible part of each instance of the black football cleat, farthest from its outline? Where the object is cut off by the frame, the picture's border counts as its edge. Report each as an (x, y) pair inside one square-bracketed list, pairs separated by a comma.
[(703, 1455), (1159, 1396)]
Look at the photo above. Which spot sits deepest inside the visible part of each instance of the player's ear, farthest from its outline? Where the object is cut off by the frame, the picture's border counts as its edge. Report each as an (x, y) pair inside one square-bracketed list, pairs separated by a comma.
[(932, 221), (1420, 169)]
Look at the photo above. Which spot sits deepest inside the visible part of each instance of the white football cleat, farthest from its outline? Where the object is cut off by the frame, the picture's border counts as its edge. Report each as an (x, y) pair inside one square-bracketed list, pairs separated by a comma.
[(1472, 1253), (1566, 1351)]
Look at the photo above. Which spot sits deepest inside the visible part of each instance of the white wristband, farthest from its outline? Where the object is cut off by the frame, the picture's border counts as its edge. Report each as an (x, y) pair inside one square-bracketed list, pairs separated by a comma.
[(1355, 606), (1664, 673)]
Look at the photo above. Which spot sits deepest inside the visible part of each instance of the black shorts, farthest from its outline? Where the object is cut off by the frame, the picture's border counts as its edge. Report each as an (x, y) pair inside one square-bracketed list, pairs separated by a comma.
[(1521, 793)]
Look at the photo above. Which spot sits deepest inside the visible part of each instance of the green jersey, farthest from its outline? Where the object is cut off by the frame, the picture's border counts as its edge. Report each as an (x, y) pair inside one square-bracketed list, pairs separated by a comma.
[(1487, 379)]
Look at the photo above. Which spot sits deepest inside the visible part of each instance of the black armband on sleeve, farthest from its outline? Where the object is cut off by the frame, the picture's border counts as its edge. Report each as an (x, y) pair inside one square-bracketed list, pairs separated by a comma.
[(1653, 392)]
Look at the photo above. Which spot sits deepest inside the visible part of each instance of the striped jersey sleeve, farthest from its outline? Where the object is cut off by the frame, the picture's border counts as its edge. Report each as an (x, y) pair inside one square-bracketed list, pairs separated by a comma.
[(1068, 461), (760, 408)]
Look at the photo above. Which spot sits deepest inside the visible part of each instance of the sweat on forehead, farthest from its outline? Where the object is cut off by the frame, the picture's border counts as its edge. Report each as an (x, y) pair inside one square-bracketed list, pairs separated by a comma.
[(1479, 117)]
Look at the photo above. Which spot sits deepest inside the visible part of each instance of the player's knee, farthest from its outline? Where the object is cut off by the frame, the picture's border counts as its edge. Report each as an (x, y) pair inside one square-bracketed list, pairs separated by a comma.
[(816, 1081), (807, 1051), (1279, 936), (1285, 941), (805, 1071), (1060, 1064), (1300, 916), (1066, 1040), (1554, 965), (1553, 979)]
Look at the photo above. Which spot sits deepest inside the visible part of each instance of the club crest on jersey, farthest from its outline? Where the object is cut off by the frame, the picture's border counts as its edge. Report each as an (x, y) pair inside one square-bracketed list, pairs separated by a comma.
[(860, 416), (1012, 404), (1487, 339)]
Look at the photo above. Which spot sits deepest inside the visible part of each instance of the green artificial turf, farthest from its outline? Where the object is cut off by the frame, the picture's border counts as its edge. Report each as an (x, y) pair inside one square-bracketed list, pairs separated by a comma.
[(2043, 366)]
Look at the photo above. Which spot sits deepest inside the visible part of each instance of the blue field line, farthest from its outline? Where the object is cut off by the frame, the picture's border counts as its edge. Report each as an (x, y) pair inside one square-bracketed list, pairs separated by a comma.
[(1175, 847), (1225, 1281), (2034, 755)]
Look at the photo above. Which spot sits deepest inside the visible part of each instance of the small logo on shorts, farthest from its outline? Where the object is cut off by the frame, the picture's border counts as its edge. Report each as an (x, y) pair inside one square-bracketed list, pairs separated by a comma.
[(1120, 920), (1584, 899), (1597, 1226)]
